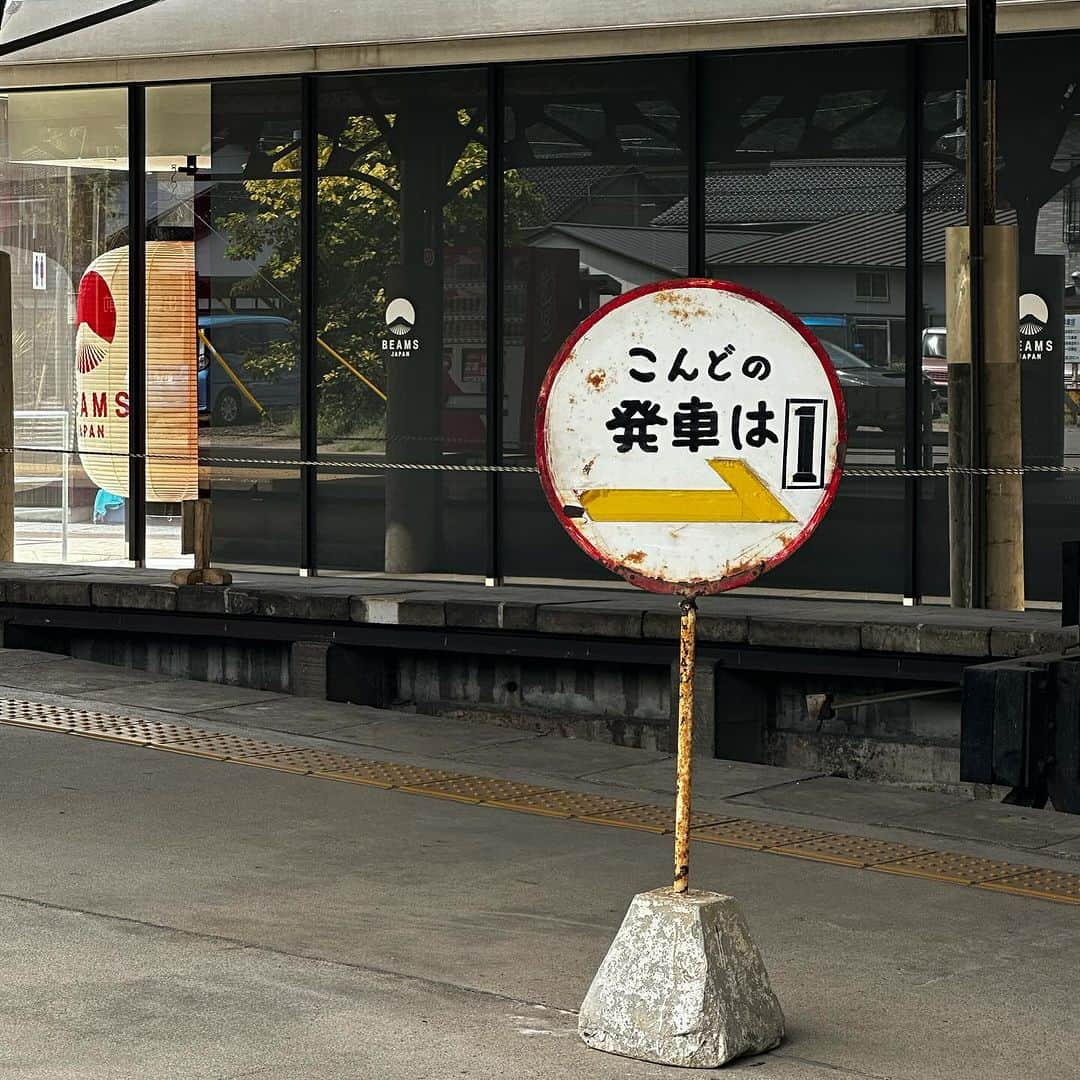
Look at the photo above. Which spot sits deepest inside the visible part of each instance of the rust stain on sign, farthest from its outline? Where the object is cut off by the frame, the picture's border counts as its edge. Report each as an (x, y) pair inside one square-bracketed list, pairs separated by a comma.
[(596, 379), (680, 306), (635, 557)]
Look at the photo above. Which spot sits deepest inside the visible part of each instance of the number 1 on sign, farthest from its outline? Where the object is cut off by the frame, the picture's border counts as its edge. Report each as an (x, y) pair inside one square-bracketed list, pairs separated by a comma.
[(804, 443)]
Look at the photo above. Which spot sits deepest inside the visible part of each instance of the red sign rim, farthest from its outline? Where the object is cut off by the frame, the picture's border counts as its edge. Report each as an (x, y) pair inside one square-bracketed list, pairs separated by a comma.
[(713, 585)]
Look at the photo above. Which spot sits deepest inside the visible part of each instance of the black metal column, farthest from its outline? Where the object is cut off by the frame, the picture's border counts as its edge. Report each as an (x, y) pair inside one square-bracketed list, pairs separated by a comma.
[(309, 245), (136, 508), (494, 126), (695, 165), (915, 419), (981, 204)]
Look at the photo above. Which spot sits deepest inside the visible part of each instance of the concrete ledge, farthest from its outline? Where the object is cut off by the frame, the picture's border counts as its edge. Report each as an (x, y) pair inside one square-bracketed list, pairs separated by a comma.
[(62, 592), (835, 626), (719, 629), (927, 638), (593, 620), (800, 634), (138, 596), (202, 599), (406, 609), (307, 605), (491, 614), (1008, 641)]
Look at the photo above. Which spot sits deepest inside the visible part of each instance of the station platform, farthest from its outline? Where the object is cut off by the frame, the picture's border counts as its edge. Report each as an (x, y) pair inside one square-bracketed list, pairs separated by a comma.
[(866, 689), (276, 887)]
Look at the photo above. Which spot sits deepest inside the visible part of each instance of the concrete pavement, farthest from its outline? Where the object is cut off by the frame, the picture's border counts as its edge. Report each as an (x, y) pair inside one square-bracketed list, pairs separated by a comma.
[(175, 917)]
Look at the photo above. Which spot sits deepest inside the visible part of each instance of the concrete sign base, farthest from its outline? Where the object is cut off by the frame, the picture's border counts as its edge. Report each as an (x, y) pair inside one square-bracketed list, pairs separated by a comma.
[(682, 984)]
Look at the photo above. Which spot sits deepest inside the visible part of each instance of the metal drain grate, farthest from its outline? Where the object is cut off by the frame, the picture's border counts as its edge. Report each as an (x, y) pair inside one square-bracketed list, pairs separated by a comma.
[(568, 804), (849, 850), (1044, 884), (477, 789), (310, 762), (947, 866), (755, 835), (35, 714), (92, 725), (654, 819), (220, 747)]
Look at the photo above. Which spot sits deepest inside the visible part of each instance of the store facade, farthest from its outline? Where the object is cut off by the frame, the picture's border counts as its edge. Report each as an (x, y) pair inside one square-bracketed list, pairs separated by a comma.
[(323, 288)]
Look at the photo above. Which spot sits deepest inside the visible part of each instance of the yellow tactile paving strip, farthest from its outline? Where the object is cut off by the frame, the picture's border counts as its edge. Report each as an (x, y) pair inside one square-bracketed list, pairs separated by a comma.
[(859, 852)]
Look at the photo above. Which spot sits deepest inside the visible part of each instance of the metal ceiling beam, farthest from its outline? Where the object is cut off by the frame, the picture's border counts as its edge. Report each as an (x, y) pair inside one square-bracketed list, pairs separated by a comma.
[(43, 37)]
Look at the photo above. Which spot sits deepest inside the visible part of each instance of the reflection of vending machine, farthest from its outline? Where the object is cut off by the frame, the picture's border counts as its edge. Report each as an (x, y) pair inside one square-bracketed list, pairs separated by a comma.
[(541, 307), (464, 348)]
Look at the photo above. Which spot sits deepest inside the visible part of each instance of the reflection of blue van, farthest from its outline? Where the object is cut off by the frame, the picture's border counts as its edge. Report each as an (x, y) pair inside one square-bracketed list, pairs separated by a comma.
[(241, 340)]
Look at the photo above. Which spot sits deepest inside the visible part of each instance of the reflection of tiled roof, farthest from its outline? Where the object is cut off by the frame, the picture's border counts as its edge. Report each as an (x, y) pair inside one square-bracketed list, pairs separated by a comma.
[(664, 249), (794, 192), (854, 240), (943, 189), (564, 186)]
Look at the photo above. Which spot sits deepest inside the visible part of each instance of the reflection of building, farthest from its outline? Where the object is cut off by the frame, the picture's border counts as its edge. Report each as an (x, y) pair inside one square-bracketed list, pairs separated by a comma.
[(807, 173)]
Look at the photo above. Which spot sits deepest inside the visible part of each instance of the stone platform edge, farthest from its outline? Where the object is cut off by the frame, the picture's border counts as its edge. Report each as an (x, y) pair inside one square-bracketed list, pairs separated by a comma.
[(854, 626)]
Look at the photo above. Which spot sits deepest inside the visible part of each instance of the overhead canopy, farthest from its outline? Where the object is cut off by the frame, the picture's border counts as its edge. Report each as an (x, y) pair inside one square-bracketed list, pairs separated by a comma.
[(207, 30), (186, 27)]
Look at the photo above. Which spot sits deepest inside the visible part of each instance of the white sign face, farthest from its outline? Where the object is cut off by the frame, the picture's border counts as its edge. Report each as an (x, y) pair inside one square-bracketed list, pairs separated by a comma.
[(690, 435), (40, 271)]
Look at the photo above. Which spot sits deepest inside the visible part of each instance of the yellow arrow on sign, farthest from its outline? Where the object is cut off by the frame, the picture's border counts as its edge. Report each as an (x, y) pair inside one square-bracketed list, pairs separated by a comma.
[(748, 499)]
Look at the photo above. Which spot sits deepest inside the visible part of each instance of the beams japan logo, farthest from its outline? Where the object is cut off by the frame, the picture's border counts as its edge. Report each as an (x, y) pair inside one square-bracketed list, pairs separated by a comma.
[(95, 322), (1034, 315), (400, 317)]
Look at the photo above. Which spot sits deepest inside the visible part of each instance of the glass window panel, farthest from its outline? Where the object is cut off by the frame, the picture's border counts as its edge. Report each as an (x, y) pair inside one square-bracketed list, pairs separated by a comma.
[(594, 204), (1038, 158), (805, 201), (943, 122), (402, 322), (63, 169), (223, 316)]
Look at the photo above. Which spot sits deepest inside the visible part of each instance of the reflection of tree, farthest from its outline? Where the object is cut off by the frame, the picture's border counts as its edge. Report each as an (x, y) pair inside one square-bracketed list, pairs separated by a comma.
[(360, 189), (397, 187)]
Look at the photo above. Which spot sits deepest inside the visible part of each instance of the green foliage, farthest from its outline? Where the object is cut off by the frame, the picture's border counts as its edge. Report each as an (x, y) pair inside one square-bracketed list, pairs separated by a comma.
[(359, 238)]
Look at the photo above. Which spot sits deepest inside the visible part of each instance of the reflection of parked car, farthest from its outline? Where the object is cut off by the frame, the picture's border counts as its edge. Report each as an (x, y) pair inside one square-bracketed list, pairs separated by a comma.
[(875, 398), (242, 341), (935, 366)]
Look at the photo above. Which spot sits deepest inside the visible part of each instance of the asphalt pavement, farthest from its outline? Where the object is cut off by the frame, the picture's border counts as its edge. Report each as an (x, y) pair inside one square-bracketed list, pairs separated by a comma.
[(168, 916)]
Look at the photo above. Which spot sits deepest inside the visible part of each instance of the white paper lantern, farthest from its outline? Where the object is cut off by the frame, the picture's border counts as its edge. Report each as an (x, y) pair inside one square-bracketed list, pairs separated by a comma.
[(102, 398)]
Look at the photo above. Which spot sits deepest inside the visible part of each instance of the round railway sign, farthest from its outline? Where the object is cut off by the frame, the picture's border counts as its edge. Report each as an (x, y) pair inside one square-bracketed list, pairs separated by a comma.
[(690, 435)]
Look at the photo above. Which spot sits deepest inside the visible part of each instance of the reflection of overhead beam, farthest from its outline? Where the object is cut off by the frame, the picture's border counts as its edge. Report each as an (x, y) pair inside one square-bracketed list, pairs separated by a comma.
[(73, 26), (87, 128)]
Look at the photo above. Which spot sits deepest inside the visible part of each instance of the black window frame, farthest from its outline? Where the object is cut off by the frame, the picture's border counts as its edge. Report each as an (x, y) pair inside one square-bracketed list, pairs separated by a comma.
[(495, 269)]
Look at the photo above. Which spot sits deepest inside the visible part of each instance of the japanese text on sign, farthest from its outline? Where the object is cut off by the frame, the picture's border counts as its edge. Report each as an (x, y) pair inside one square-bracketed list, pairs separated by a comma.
[(690, 432)]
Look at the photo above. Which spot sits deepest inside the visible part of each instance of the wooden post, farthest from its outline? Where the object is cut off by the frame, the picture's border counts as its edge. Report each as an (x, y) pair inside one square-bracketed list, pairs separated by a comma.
[(202, 536), (7, 416), (187, 527), (1001, 417), (1001, 528)]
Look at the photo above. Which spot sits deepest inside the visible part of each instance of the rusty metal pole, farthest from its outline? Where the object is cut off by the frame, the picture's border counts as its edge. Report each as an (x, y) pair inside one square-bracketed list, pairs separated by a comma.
[(687, 648)]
